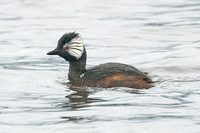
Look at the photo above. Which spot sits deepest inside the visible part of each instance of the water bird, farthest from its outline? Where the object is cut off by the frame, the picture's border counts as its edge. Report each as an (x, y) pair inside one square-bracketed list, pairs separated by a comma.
[(71, 47)]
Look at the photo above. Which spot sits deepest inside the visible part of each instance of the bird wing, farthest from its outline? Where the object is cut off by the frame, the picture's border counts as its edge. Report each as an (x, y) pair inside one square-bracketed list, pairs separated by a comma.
[(104, 70)]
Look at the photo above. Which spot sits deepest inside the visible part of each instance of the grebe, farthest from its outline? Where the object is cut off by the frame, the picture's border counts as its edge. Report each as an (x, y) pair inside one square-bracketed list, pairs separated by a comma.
[(70, 47)]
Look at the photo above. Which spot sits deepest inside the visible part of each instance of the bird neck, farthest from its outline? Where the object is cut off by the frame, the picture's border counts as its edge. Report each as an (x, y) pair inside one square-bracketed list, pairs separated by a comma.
[(76, 68)]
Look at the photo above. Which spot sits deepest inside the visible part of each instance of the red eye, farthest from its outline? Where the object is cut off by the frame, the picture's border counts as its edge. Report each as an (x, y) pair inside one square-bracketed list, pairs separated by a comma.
[(65, 48)]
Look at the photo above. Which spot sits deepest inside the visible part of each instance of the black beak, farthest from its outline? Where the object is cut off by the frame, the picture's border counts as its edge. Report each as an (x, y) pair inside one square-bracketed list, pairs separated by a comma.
[(53, 52)]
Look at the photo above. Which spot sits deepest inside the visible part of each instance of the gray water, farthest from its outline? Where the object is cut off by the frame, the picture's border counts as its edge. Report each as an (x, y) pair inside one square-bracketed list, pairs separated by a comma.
[(161, 37)]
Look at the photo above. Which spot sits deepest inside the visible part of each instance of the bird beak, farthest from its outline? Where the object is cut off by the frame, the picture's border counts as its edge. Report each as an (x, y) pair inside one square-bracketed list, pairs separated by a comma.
[(53, 52)]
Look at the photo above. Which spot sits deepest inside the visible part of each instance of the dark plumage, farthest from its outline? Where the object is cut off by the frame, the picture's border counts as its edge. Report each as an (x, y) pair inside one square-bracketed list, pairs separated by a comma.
[(71, 48)]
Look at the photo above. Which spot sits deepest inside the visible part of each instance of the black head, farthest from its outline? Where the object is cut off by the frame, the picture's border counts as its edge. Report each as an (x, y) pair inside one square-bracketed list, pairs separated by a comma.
[(70, 47)]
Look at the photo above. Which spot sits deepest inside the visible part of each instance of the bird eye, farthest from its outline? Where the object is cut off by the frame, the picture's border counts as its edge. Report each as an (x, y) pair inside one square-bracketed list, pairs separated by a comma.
[(65, 48)]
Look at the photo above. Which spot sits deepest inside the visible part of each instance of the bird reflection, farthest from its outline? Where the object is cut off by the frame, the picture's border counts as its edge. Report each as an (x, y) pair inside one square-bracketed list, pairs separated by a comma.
[(80, 98)]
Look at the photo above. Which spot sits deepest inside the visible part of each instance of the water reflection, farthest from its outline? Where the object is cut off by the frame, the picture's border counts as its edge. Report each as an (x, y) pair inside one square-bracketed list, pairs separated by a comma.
[(159, 37), (80, 99), (75, 119)]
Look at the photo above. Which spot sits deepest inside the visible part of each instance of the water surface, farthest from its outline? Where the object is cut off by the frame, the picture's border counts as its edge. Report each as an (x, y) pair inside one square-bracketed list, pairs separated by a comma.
[(159, 37)]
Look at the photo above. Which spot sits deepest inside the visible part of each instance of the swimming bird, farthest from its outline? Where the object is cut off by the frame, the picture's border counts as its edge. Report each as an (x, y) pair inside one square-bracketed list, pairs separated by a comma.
[(71, 47)]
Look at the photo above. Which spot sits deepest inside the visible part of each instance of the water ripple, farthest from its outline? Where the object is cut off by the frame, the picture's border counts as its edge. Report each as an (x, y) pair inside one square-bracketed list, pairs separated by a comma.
[(161, 38)]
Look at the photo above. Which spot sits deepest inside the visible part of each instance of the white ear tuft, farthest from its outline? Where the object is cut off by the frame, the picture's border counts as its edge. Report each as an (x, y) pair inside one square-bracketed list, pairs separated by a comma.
[(76, 47)]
